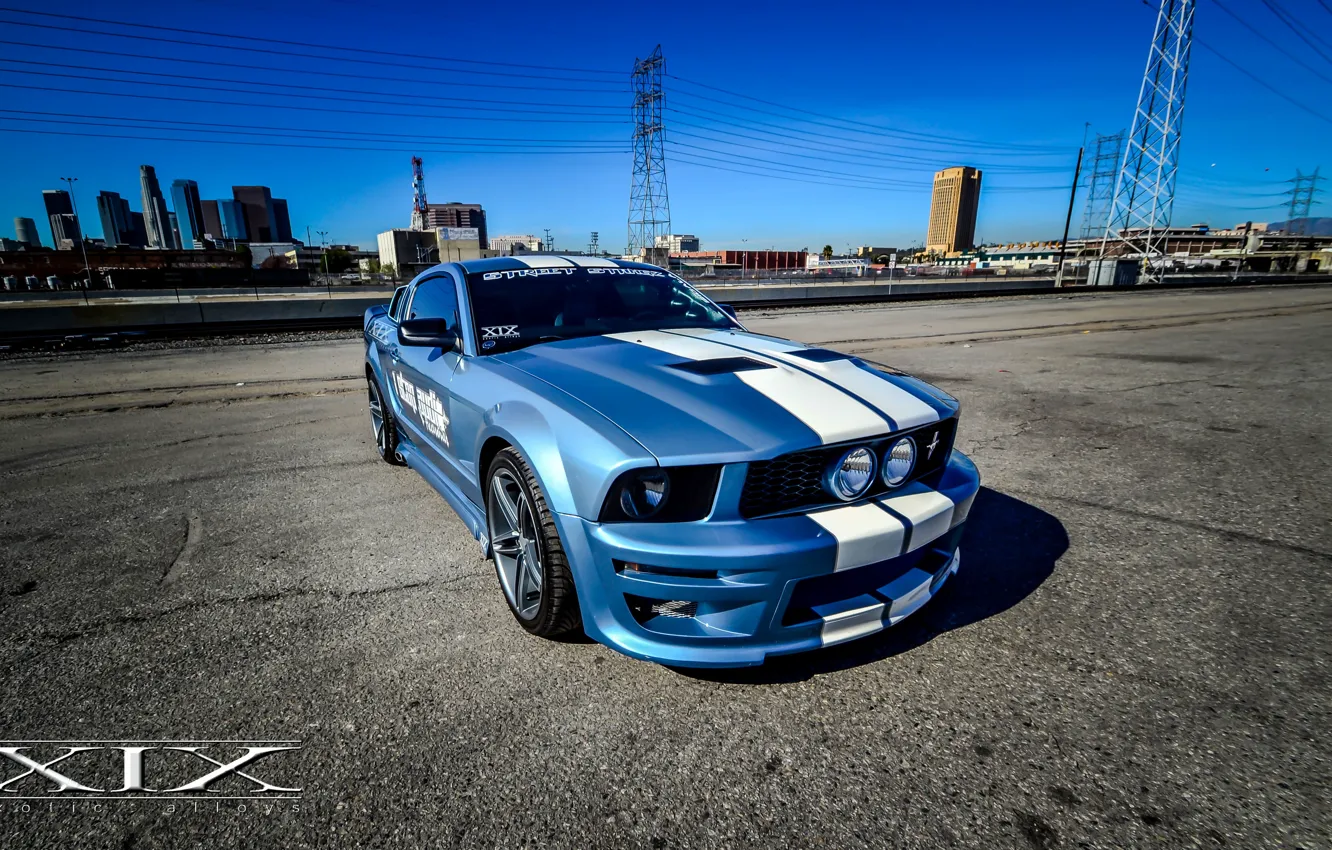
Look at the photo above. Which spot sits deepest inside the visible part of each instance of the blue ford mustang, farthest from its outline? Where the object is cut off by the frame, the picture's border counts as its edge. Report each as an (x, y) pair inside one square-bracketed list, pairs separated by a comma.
[(640, 466)]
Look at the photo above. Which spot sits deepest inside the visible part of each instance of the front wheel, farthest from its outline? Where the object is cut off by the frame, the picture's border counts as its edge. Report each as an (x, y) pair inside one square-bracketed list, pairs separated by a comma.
[(525, 546), (383, 425)]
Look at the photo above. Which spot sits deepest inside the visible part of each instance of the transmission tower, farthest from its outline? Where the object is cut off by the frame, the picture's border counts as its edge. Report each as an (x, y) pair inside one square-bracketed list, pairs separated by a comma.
[(418, 195), (1101, 183), (1302, 201), (1144, 196), (649, 207), (593, 244)]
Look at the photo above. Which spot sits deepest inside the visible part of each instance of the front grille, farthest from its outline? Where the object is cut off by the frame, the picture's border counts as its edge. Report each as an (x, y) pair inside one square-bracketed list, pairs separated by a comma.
[(795, 480), (645, 609)]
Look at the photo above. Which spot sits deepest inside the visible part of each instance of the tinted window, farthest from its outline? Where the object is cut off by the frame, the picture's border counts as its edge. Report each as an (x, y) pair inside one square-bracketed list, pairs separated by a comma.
[(396, 304), (436, 298), (512, 309)]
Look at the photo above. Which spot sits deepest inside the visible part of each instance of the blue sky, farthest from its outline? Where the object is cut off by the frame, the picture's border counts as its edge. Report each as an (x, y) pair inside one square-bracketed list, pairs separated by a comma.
[(1009, 86)]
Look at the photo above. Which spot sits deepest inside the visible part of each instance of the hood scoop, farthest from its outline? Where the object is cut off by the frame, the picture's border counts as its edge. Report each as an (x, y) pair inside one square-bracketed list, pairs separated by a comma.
[(721, 365)]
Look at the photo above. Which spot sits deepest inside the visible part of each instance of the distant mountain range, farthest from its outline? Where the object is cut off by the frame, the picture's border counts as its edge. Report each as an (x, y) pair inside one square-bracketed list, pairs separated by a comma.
[(1313, 226)]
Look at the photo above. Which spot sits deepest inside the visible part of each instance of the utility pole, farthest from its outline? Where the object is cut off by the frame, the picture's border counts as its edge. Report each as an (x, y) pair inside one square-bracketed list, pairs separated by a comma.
[(593, 247), (649, 205), (1144, 197), (323, 254), (549, 244), (1068, 220), (83, 243), (1101, 183)]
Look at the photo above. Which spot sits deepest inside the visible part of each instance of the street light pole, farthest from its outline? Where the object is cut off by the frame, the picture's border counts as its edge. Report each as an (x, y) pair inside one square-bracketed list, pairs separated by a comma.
[(87, 281)]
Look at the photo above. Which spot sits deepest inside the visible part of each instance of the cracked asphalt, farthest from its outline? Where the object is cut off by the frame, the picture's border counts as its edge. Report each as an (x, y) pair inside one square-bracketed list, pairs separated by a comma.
[(199, 543)]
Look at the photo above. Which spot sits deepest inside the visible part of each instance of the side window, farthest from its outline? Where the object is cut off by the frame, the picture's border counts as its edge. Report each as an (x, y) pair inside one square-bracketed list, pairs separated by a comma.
[(435, 298), (395, 306)]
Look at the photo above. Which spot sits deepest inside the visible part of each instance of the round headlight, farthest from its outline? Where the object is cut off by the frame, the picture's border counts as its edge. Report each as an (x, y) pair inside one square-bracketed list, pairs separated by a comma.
[(643, 494), (898, 461), (852, 474)]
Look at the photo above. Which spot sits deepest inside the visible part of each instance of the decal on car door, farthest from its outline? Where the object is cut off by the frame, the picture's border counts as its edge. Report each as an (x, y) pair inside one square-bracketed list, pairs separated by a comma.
[(425, 406)]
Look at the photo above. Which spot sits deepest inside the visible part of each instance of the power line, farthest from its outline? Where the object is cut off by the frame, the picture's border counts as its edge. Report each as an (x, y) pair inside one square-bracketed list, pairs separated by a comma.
[(285, 106), (286, 53), (303, 130), (780, 166), (283, 145), (1260, 81), (1291, 56), (334, 135), (878, 129), (1290, 22), (217, 63), (379, 96), (284, 42)]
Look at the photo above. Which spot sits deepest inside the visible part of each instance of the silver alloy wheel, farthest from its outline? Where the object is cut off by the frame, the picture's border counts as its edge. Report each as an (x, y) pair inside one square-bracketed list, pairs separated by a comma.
[(377, 420), (513, 542)]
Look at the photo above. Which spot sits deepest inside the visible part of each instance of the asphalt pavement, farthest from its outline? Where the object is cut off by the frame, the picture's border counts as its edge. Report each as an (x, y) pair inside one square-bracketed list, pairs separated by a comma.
[(200, 544)]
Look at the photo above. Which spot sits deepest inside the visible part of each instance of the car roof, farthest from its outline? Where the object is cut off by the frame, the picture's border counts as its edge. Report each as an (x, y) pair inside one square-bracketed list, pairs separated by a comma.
[(548, 261)]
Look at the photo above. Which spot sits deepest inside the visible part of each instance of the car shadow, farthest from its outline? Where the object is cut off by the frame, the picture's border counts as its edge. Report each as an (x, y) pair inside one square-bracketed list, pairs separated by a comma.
[(1008, 550)]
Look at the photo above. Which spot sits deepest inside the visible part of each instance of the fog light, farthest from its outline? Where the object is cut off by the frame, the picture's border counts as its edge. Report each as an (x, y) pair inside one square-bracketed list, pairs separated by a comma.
[(898, 461), (852, 474)]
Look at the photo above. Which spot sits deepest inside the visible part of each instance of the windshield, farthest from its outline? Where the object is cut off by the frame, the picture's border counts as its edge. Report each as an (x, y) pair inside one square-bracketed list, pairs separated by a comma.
[(512, 309)]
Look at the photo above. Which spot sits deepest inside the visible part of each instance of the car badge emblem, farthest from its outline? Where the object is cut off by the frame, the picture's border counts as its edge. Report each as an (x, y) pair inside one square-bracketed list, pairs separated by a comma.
[(934, 444)]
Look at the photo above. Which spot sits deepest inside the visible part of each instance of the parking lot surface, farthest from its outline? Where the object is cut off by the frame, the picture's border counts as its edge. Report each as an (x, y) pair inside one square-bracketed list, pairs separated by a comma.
[(200, 544)]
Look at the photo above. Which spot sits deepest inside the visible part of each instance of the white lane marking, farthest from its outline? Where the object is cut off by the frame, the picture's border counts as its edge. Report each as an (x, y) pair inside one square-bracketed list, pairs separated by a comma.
[(908, 592), (542, 262), (829, 412), (848, 619), (930, 512), (865, 534), (593, 262), (905, 409)]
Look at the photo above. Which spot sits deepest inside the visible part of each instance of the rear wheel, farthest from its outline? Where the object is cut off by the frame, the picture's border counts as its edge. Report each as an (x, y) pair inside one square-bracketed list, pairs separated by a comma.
[(529, 559), (382, 423)]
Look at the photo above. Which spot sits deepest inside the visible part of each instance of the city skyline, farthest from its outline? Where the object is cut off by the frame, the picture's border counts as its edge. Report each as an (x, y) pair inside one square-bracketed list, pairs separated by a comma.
[(1025, 126)]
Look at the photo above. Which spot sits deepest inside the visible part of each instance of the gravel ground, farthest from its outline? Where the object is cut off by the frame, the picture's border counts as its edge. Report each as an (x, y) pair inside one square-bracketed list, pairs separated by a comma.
[(200, 543)]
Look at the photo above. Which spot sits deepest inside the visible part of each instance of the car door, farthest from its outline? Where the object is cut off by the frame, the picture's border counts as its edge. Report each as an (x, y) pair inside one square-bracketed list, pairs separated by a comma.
[(421, 376)]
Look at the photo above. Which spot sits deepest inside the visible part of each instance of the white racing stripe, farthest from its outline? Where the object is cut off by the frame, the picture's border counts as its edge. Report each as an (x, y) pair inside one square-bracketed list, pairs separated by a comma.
[(850, 618), (829, 412), (593, 262), (538, 261), (929, 511), (908, 592), (865, 534), (906, 410)]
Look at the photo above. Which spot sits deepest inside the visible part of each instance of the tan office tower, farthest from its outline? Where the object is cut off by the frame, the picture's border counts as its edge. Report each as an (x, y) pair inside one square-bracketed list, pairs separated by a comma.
[(953, 210)]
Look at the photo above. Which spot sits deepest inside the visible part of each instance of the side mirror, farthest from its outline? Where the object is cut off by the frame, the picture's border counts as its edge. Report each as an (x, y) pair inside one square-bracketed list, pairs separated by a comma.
[(729, 310), (430, 333)]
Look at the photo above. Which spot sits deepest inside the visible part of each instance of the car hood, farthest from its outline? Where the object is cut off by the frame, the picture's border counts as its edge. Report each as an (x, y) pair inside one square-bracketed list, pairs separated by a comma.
[(696, 395)]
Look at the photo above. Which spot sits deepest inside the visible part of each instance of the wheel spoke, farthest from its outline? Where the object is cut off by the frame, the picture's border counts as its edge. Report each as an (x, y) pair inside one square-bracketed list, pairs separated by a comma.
[(532, 564), (507, 544), (505, 503)]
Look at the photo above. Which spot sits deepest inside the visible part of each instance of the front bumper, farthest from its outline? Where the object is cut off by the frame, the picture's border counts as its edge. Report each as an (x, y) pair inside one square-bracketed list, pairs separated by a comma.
[(730, 593)]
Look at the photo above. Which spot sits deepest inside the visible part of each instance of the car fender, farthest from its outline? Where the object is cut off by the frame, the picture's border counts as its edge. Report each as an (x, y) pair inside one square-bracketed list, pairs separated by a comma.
[(574, 460)]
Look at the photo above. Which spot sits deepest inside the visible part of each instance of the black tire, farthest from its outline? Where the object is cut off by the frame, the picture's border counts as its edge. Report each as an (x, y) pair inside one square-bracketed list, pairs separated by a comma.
[(385, 432), (558, 613)]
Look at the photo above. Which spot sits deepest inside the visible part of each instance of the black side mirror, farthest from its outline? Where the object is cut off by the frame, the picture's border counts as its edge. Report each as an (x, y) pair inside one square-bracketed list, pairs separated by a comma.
[(729, 310), (431, 333)]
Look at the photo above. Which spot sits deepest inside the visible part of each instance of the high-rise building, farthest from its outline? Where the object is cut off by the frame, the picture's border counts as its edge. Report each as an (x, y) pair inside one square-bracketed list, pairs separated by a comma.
[(138, 230), (25, 231), (458, 215), (65, 231), (173, 223), (953, 210), (117, 228), (212, 220), (676, 242), (281, 221), (188, 212), (232, 213), (58, 205), (260, 222), (155, 210)]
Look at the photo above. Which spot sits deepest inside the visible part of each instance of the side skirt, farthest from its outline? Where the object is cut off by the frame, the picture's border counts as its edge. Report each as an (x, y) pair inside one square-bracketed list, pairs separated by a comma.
[(470, 514)]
